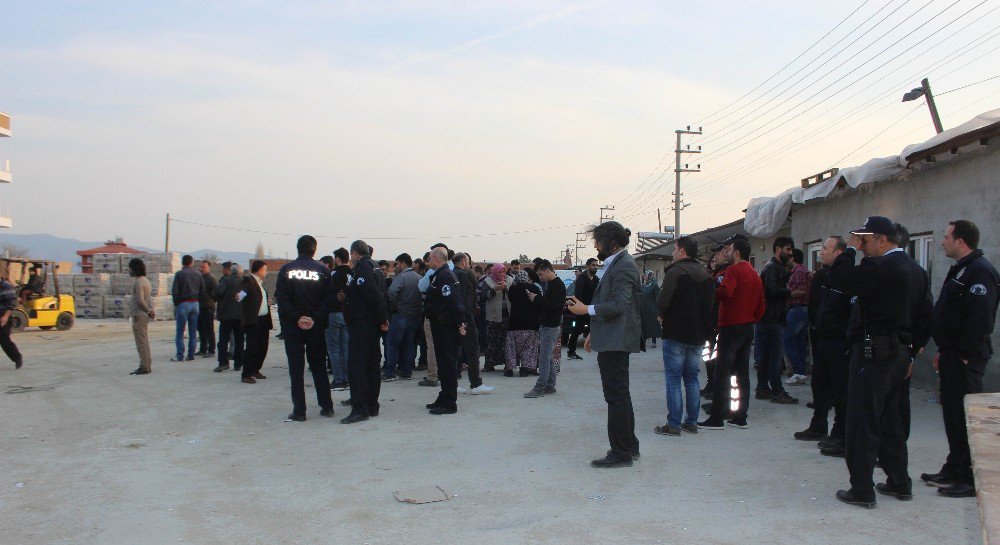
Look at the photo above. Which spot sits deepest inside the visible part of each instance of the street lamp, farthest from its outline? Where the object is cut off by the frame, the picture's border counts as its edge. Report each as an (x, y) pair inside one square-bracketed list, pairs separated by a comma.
[(925, 91)]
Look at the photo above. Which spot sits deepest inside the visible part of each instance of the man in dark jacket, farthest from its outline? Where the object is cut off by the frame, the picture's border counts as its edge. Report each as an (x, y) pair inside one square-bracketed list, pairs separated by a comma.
[(257, 322), (337, 337), (586, 283), (367, 316), (470, 341), (829, 310), (549, 326), (229, 313), (770, 329), (684, 307), (447, 316), (186, 291), (963, 322), (206, 311), (889, 323), (304, 297)]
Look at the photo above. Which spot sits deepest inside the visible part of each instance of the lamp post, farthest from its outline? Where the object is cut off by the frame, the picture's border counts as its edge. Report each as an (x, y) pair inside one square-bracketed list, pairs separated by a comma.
[(925, 91)]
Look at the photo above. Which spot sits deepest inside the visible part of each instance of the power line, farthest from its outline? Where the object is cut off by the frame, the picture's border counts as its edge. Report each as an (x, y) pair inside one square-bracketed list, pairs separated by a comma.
[(969, 85)]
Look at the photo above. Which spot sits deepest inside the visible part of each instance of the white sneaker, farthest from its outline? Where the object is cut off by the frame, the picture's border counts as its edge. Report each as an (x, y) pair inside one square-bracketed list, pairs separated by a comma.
[(481, 389), (461, 390), (796, 379)]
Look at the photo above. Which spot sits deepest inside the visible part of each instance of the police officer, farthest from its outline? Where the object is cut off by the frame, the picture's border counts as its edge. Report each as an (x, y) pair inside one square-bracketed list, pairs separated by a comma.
[(963, 321), (446, 314), (830, 355), (886, 326), (366, 315), (303, 294)]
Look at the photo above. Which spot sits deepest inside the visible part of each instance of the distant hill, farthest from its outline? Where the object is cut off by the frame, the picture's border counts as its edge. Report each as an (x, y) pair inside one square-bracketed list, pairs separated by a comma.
[(44, 246)]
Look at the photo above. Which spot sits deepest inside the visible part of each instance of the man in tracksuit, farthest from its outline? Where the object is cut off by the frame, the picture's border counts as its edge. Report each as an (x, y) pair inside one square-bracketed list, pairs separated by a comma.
[(366, 314), (304, 296)]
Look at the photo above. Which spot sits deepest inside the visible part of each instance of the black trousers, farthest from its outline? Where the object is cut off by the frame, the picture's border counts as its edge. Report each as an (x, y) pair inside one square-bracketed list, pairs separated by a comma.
[(732, 359), (447, 341), (257, 338), (231, 329), (206, 329), (363, 372), (957, 380), (580, 324), (302, 345), (7, 344), (876, 418), (829, 386), (470, 348), (621, 416)]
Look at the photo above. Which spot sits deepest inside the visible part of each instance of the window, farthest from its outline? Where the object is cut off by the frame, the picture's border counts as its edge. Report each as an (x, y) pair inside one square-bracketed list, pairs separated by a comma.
[(813, 261), (921, 249)]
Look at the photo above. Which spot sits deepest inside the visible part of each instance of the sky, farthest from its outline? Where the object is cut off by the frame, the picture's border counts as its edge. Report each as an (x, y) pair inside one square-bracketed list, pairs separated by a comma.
[(500, 128)]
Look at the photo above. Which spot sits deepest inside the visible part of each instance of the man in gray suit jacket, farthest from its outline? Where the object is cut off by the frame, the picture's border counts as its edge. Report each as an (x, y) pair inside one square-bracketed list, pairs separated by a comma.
[(614, 334)]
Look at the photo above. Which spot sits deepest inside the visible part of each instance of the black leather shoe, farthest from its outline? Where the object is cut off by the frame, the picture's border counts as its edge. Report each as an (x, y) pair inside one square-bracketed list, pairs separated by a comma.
[(937, 479), (635, 455), (443, 410), (140, 371), (354, 418), (432, 405), (836, 451), (809, 435), (19, 363), (326, 413), (958, 490), (295, 418), (762, 394), (611, 461), (849, 498), (885, 489), (221, 368)]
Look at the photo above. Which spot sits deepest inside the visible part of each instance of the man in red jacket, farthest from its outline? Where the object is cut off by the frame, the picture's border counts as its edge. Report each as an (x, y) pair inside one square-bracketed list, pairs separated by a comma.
[(741, 303)]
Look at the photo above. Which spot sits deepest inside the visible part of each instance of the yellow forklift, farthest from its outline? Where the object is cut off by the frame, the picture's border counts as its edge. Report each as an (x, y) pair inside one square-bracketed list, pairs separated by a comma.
[(38, 309)]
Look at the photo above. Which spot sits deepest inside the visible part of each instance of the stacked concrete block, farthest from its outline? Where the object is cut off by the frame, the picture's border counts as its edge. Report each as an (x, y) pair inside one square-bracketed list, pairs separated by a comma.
[(163, 306), (92, 284), (116, 306), (121, 284), (109, 263), (160, 262), (89, 306), (160, 283), (65, 285)]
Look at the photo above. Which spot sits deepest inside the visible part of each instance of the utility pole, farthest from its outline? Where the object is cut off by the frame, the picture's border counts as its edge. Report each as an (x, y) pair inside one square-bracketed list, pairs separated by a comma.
[(166, 243), (659, 222), (608, 217), (678, 203), (925, 91), (581, 244)]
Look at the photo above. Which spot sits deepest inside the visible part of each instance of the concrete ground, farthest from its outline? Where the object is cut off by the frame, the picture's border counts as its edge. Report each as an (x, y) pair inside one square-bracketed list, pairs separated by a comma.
[(89, 454)]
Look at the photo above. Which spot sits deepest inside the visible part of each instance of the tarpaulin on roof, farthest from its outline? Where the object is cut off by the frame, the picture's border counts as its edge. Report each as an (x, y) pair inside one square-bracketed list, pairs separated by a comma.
[(766, 215)]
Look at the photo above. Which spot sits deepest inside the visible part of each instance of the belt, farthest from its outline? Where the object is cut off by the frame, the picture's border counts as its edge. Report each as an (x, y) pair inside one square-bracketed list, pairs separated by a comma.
[(189, 300)]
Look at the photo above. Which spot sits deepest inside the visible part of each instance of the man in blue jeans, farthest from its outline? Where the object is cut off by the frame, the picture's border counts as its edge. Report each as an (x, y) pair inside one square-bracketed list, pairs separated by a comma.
[(796, 339), (685, 308), (550, 327), (186, 289), (407, 304), (769, 331), (336, 330)]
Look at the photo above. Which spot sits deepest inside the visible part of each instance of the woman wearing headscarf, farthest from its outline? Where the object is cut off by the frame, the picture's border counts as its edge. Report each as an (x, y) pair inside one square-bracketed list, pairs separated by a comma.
[(522, 333), (647, 308), (497, 309)]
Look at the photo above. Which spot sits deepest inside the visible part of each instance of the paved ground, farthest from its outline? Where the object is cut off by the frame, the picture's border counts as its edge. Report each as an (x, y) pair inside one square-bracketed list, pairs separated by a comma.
[(89, 454)]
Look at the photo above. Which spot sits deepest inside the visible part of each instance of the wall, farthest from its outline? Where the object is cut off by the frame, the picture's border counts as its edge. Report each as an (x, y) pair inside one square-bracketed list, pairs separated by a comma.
[(923, 199)]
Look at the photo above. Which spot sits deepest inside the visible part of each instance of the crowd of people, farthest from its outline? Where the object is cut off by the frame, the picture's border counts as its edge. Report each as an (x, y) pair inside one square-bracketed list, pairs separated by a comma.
[(852, 329)]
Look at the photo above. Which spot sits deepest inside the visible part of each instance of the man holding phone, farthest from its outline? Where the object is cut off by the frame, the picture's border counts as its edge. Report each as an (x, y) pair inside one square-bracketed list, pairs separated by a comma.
[(614, 334)]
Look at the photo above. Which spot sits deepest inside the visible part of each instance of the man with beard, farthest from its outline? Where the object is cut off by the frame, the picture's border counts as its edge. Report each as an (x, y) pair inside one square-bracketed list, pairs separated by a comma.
[(584, 291), (770, 329), (614, 334)]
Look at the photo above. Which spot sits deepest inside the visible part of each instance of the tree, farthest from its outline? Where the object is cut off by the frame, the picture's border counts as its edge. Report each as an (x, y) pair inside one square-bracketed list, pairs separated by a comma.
[(14, 250), (258, 252), (212, 258), (523, 258)]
